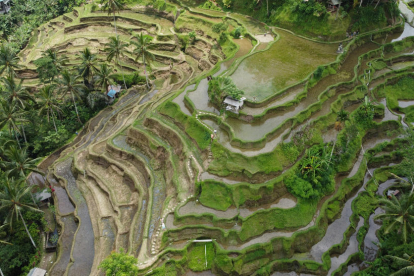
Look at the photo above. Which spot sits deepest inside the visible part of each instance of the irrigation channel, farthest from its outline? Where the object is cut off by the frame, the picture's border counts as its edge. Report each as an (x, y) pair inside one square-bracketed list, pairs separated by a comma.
[(139, 174)]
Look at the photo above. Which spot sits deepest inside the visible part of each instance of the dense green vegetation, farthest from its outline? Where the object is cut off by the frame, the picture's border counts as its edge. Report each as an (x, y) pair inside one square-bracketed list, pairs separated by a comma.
[(17, 25)]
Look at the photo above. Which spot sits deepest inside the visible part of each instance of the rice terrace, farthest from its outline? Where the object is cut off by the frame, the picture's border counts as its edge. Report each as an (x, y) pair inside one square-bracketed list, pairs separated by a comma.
[(218, 137)]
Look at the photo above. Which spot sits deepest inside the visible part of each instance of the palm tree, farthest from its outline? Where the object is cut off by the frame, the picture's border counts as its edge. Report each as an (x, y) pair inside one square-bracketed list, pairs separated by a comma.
[(13, 92), (70, 84), (112, 6), (19, 163), (8, 60), (11, 116), (142, 50), (12, 198), (400, 213), (47, 104), (58, 61), (405, 262), (88, 66), (103, 77), (116, 49)]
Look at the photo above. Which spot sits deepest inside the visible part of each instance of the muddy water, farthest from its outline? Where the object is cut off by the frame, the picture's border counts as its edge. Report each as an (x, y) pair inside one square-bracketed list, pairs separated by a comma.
[(207, 175), (255, 131), (408, 14), (408, 31), (351, 249), (282, 203), (193, 207), (180, 100), (287, 61), (384, 186), (199, 97), (370, 248), (158, 193), (388, 115), (334, 233), (288, 96), (245, 46), (266, 237), (224, 139), (140, 225), (65, 246), (404, 104), (63, 203), (83, 251)]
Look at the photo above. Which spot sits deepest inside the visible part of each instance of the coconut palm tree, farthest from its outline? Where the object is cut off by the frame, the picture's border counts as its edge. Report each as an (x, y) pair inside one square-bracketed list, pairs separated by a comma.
[(406, 262), (8, 61), (19, 163), (70, 84), (87, 68), (13, 199), (59, 61), (112, 6), (103, 77), (11, 116), (142, 46), (47, 104), (116, 49), (13, 92), (399, 213)]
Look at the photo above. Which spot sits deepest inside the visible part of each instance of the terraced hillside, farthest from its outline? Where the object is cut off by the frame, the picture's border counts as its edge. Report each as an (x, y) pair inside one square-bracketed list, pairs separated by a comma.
[(146, 175)]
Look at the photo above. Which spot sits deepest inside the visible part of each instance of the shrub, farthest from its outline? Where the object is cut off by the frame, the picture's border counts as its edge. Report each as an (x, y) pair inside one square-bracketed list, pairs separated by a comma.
[(130, 79), (236, 33), (220, 27)]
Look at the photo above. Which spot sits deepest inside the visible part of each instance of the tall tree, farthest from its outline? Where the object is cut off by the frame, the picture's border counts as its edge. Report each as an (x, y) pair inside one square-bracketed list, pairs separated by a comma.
[(69, 83), (19, 163), (14, 199), (113, 6), (47, 103), (103, 77), (87, 68), (8, 61), (116, 49), (59, 61), (399, 213), (406, 263), (11, 116), (15, 93), (142, 46)]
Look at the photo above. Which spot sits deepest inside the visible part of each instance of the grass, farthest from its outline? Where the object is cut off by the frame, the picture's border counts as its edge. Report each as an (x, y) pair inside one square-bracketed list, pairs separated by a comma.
[(402, 90), (262, 221), (263, 74), (215, 195), (198, 254), (199, 133)]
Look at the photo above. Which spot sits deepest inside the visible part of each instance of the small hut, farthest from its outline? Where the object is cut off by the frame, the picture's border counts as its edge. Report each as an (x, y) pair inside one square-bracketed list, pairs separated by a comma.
[(113, 91), (44, 197), (233, 105), (333, 5), (4, 6)]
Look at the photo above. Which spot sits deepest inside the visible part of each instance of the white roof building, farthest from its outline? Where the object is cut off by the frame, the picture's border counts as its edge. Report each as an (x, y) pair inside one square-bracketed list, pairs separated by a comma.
[(234, 105)]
